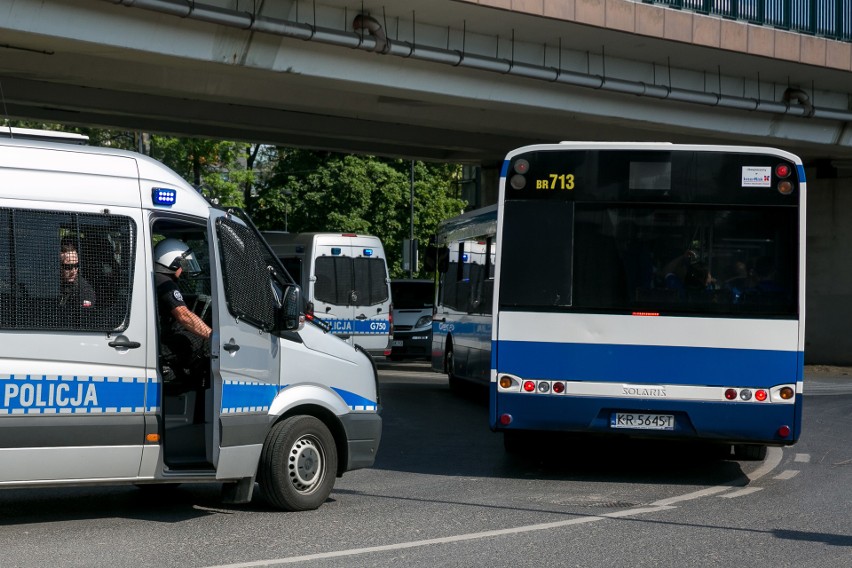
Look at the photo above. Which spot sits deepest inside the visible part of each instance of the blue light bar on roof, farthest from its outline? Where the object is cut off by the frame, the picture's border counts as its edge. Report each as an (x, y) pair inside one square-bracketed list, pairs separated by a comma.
[(335, 251), (368, 252), (464, 257), (163, 196)]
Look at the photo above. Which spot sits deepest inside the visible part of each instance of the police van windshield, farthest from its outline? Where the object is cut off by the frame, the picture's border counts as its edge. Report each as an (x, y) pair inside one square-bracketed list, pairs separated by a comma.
[(346, 281)]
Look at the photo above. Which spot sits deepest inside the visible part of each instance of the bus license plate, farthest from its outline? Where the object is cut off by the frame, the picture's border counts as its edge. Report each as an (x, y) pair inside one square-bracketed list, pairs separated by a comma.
[(642, 421)]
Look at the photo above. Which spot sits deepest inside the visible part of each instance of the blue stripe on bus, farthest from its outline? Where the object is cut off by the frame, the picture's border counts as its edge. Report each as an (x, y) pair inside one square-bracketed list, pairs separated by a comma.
[(800, 169), (647, 364), (505, 169)]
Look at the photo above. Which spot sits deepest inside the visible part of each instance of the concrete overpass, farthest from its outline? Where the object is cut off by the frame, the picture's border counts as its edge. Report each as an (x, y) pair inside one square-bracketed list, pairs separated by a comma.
[(451, 80)]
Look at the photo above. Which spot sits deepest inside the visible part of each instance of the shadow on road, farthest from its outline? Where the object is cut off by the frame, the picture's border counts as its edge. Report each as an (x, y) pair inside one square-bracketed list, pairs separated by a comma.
[(429, 429)]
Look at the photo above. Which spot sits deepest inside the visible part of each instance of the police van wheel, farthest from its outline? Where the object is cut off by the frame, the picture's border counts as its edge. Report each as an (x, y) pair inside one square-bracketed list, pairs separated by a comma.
[(298, 464)]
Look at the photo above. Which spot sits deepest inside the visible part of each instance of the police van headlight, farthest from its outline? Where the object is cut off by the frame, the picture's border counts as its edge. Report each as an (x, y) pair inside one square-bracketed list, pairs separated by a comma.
[(424, 321)]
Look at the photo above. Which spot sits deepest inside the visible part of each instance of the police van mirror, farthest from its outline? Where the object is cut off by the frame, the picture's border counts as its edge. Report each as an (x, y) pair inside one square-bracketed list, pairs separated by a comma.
[(289, 314), (443, 259), (430, 259)]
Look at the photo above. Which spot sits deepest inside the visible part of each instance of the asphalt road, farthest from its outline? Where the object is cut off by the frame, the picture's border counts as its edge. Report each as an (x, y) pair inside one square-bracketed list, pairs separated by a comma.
[(443, 493)]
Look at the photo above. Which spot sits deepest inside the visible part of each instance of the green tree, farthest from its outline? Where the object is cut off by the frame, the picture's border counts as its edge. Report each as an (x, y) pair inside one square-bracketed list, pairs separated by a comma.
[(320, 191)]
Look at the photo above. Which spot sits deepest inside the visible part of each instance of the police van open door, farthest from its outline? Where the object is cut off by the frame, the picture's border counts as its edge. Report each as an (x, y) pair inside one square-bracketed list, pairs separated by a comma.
[(247, 366)]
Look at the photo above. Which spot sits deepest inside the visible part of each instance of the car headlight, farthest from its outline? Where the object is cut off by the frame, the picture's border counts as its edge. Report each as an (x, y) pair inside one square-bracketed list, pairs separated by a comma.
[(424, 321)]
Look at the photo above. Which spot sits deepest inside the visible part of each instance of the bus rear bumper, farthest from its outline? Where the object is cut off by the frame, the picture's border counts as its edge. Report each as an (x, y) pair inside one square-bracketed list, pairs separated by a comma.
[(726, 422)]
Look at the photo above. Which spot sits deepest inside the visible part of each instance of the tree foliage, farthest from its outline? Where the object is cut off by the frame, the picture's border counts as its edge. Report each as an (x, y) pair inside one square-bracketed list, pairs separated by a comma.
[(320, 191)]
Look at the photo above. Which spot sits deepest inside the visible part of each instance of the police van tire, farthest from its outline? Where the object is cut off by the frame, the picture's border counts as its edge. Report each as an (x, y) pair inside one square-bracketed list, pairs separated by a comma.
[(298, 464)]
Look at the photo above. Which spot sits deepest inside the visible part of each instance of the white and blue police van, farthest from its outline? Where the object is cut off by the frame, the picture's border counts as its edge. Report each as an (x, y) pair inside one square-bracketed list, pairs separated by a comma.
[(345, 281), (85, 398)]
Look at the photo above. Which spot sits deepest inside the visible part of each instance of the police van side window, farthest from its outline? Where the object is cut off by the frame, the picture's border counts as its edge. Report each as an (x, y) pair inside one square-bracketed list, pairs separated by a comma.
[(248, 284), (63, 271)]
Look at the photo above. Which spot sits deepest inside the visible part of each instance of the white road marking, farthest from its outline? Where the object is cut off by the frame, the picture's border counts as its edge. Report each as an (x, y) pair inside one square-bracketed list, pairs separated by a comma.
[(802, 458), (741, 492), (443, 540), (787, 474), (773, 458)]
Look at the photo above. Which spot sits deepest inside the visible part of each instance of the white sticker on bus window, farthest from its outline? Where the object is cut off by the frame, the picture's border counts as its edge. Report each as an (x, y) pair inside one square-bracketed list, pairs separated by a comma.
[(754, 176)]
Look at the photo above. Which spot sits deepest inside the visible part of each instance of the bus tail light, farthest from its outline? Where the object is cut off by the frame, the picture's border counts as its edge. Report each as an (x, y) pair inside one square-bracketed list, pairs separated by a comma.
[(785, 187), (505, 382), (760, 395), (529, 386), (786, 393), (558, 387), (784, 431), (731, 394), (505, 419), (782, 170)]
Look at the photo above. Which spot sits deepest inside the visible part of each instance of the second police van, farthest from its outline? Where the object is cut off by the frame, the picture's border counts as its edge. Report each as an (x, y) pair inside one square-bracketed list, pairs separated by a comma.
[(85, 397), (345, 281)]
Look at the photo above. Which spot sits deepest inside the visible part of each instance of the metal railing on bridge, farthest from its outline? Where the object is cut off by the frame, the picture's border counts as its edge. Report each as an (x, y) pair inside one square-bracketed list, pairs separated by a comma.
[(824, 18)]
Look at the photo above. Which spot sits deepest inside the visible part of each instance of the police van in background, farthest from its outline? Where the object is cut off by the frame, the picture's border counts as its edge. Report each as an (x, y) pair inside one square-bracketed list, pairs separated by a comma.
[(345, 281), (84, 398)]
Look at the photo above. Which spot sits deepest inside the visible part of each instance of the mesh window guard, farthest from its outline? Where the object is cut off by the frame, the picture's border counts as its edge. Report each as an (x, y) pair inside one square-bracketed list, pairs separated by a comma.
[(64, 271), (245, 268)]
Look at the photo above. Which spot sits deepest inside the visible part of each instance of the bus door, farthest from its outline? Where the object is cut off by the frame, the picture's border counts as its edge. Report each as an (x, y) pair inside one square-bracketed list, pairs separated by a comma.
[(245, 355), (351, 290)]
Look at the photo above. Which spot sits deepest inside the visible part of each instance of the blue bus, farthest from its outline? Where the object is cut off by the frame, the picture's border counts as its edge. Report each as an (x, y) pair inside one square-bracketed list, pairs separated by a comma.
[(646, 290), (461, 324)]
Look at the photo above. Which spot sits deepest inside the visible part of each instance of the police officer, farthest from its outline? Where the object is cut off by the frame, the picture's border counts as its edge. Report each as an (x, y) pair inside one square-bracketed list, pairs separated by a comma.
[(173, 257), (76, 296)]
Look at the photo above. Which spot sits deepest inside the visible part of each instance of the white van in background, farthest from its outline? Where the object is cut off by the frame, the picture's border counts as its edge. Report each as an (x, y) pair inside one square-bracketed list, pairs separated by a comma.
[(413, 307), (344, 278), (88, 394)]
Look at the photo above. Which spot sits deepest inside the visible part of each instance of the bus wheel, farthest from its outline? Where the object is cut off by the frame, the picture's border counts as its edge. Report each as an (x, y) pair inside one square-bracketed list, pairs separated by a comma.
[(749, 452), (298, 464), (455, 382)]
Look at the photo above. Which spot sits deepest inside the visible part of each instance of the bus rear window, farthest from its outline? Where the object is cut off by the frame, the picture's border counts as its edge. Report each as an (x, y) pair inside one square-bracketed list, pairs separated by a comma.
[(699, 260)]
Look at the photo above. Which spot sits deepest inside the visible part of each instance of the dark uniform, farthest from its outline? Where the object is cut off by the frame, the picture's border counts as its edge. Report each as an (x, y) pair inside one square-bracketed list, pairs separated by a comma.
[(180, 349), (76, 301)]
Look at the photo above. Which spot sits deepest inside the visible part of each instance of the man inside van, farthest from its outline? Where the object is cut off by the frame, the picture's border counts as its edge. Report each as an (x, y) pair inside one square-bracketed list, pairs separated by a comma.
[(182, 353), (76, 295)]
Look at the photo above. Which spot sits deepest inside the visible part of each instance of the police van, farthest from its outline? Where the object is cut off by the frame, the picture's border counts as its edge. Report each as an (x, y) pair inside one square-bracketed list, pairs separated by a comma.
[(85, 397), (346, 283)]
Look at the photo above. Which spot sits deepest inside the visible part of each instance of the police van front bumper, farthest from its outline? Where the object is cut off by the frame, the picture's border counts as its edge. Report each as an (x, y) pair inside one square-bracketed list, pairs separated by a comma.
[(363, 434)]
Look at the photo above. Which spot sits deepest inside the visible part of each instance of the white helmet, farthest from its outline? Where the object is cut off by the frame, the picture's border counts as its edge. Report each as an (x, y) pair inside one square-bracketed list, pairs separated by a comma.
[(171, 254)]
